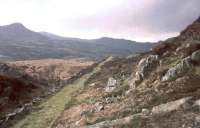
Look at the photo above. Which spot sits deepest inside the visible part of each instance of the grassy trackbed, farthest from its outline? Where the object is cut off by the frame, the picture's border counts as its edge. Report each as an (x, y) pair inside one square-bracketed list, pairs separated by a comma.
[(52, 108)]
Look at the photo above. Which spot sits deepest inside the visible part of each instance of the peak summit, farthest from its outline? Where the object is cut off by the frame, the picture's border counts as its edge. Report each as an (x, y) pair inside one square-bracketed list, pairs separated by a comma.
[(16, 25)]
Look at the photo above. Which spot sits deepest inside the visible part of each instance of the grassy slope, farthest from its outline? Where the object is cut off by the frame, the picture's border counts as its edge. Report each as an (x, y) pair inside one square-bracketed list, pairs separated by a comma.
[(53, 107)]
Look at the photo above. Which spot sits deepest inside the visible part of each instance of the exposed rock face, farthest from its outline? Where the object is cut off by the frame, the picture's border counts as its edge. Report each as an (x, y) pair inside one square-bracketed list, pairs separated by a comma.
[(170, 106), (179, 70), (144, 67), (196, 56), (111, 85)]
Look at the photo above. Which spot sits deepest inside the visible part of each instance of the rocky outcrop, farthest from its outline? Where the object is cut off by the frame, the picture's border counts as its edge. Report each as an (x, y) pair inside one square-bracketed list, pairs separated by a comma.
[(179, 70), (146, 65), (170, 106), (185, 66), (115, 123), (144, 68)]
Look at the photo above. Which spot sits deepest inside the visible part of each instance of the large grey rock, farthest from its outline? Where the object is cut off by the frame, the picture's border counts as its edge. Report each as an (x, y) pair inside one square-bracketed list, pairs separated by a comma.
[(170, 106), (179, 70), (196, 56), (111, 85)]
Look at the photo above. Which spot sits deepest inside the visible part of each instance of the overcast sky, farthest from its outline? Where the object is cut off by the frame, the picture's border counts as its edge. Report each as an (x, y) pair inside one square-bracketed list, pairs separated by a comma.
[(140, 20)]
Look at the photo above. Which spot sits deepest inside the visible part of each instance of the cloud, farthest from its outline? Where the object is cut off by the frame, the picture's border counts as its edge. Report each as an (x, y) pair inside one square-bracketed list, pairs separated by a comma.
[(144, 20), (147, 20)]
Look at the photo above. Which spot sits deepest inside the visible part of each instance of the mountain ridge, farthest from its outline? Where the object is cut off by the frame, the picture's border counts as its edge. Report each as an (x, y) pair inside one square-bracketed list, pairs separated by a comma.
[(18, 42)]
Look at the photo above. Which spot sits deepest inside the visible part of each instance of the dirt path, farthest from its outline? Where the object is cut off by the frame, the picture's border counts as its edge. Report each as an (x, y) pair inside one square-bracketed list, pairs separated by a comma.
[(53, 107)]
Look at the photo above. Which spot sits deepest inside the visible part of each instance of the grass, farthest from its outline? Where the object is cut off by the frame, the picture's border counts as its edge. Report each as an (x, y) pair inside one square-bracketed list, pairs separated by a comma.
[(52, 108)]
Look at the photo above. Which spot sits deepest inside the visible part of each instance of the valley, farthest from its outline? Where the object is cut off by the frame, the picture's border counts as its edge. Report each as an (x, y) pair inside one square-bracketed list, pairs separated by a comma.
[(50, 109), (23, 84)]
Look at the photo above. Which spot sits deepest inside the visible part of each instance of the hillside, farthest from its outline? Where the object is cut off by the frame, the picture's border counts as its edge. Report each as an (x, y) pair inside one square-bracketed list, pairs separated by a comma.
[(156, 89), (159, 89), (19, 43)]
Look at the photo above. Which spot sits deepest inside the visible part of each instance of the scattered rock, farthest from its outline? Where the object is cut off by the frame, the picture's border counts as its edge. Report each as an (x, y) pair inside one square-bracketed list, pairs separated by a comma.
[(92, 85), (170, 106), (37, 99), (179, 70), (146, 111), (80, 122), (98, 107), (111, 85), (109, 100)]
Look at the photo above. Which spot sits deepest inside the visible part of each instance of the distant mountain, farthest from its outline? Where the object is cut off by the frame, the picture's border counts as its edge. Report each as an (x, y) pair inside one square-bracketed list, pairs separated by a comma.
[(52, 36), (18, 42), (18, 32)]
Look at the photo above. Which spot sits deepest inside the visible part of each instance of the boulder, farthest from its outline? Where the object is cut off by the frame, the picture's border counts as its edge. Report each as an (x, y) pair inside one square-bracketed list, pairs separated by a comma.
[(179, 70), (111, 85), (196, 56)]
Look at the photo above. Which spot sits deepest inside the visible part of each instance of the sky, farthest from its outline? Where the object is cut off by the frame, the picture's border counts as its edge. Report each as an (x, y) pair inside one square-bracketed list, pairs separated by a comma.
[(139, 20)]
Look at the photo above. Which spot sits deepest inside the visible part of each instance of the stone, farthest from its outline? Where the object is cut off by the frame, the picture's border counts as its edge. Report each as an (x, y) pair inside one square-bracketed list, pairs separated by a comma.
[(111, 85), (92, 85), (179, 70), (145, 111), (98, 107)]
